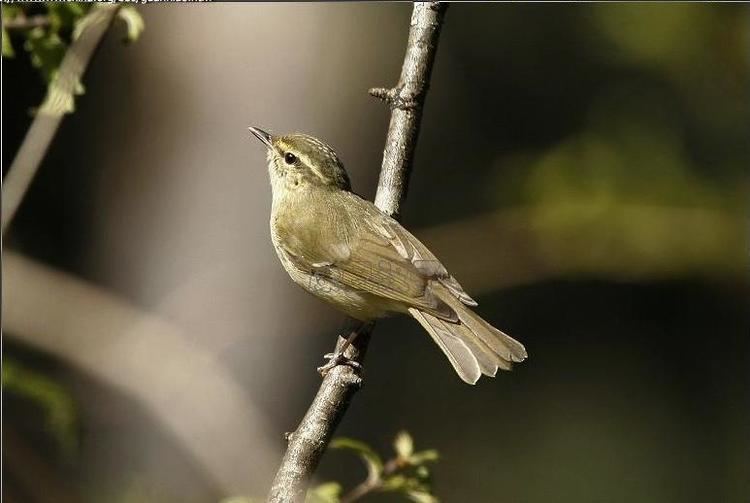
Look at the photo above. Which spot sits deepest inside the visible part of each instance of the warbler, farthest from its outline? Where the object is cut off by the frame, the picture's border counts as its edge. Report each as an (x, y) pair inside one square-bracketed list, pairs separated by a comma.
[(343, 249)]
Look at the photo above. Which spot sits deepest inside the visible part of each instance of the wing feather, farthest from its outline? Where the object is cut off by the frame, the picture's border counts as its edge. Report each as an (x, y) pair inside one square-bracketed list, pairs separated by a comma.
[(373, 253)]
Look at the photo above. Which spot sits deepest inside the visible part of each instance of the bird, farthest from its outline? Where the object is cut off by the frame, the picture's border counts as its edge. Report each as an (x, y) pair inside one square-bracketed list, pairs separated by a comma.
[(343, 249)]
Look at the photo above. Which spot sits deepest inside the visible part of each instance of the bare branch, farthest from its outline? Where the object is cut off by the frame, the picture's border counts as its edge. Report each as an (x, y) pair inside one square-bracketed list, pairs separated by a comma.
[(406, 101), (57, 103), (309, 441)]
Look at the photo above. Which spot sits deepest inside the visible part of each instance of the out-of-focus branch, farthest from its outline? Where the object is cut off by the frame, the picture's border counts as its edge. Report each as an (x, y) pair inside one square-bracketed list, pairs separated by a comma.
[(309, 441), (56, 104), (32, 472), (26, 23), (147, 358), (626, 242)]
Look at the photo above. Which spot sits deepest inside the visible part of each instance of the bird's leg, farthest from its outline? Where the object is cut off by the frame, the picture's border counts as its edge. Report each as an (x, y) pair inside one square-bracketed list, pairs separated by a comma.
[(338, 357)]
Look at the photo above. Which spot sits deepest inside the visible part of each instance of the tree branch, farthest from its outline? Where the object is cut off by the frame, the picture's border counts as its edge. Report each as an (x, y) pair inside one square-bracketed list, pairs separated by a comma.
[(309, 441), (22, 22), (57, 103), (406, 101), (189, 392)]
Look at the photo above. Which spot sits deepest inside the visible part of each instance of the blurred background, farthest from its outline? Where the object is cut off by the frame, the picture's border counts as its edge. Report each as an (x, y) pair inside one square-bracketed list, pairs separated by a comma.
[(582, 170)]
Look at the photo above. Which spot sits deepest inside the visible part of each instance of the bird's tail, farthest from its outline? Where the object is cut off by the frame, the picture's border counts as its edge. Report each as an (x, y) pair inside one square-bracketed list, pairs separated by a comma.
[(473, 346)]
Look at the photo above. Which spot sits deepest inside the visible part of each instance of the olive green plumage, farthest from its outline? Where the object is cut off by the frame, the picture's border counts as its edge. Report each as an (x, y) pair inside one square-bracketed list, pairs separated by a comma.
[(344, 250)]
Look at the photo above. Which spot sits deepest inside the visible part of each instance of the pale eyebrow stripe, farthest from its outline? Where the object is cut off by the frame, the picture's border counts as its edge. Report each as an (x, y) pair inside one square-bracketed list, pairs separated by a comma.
[(305, 159)]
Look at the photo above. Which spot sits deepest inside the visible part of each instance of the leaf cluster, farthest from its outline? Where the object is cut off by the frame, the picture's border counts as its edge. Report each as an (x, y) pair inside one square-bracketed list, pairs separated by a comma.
[(47, 31), (407, 473)]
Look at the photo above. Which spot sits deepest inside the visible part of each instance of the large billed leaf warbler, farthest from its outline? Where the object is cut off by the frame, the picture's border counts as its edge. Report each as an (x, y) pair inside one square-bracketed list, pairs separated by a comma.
[(344, 250)]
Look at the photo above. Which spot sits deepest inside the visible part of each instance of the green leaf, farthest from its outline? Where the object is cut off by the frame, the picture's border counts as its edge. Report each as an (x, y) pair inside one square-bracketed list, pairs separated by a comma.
[(330, 492), (133, 22), (54, 399), (423, 473), (64, 15), (8, 51), (76, 9), (56, 20), (421, 497), (424, 456), (10, 11), (395, 483), (404, 445), (368, 455), (47, 51)]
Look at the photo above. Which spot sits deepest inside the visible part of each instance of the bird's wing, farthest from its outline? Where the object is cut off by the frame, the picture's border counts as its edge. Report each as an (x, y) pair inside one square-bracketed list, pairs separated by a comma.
[(412, 250), (377, 255)]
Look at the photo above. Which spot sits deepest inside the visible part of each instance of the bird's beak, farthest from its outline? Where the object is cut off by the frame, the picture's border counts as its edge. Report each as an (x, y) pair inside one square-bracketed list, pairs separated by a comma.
[(261, 135)]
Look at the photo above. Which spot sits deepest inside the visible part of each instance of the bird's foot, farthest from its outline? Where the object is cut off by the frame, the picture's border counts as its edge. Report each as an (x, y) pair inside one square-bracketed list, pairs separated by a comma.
[(335, 359)]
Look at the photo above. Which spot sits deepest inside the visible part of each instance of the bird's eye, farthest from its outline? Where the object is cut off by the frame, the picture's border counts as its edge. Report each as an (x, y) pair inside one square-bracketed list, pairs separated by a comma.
[(290, 158)]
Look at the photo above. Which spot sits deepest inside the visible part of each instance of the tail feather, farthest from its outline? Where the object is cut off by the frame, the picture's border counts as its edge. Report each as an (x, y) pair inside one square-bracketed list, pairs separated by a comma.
[(504, 345), (501, 343), (472, 345), (488, 362), (458, 353)]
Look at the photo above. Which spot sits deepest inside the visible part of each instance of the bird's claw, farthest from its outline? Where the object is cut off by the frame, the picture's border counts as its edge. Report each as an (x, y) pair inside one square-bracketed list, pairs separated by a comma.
[(335, 359)]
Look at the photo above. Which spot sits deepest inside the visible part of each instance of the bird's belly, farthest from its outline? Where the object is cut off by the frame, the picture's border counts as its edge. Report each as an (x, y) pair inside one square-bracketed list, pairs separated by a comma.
[(357, 304)]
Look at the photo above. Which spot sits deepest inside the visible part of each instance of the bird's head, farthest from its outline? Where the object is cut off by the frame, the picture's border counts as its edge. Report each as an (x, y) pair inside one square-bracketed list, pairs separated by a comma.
[(299, 161)]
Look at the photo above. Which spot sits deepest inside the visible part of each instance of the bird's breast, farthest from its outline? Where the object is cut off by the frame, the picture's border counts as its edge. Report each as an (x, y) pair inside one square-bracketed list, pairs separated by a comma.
[(305, 236)]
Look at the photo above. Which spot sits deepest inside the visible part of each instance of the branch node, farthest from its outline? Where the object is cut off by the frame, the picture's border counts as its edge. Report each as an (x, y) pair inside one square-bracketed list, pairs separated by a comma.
[(381, 93), (396, 98), (348, 379)]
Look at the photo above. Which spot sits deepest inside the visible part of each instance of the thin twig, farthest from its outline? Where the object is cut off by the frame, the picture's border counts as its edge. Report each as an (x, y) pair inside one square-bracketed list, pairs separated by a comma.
[(372, 484), (309, 441), (57, 103), (26, 22)]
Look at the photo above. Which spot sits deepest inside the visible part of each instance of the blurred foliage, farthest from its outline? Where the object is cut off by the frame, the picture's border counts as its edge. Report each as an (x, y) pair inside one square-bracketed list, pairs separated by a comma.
[(405, 474), (49, 29), (626, 188), (330, 492), (661, 149), (56, 402)]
